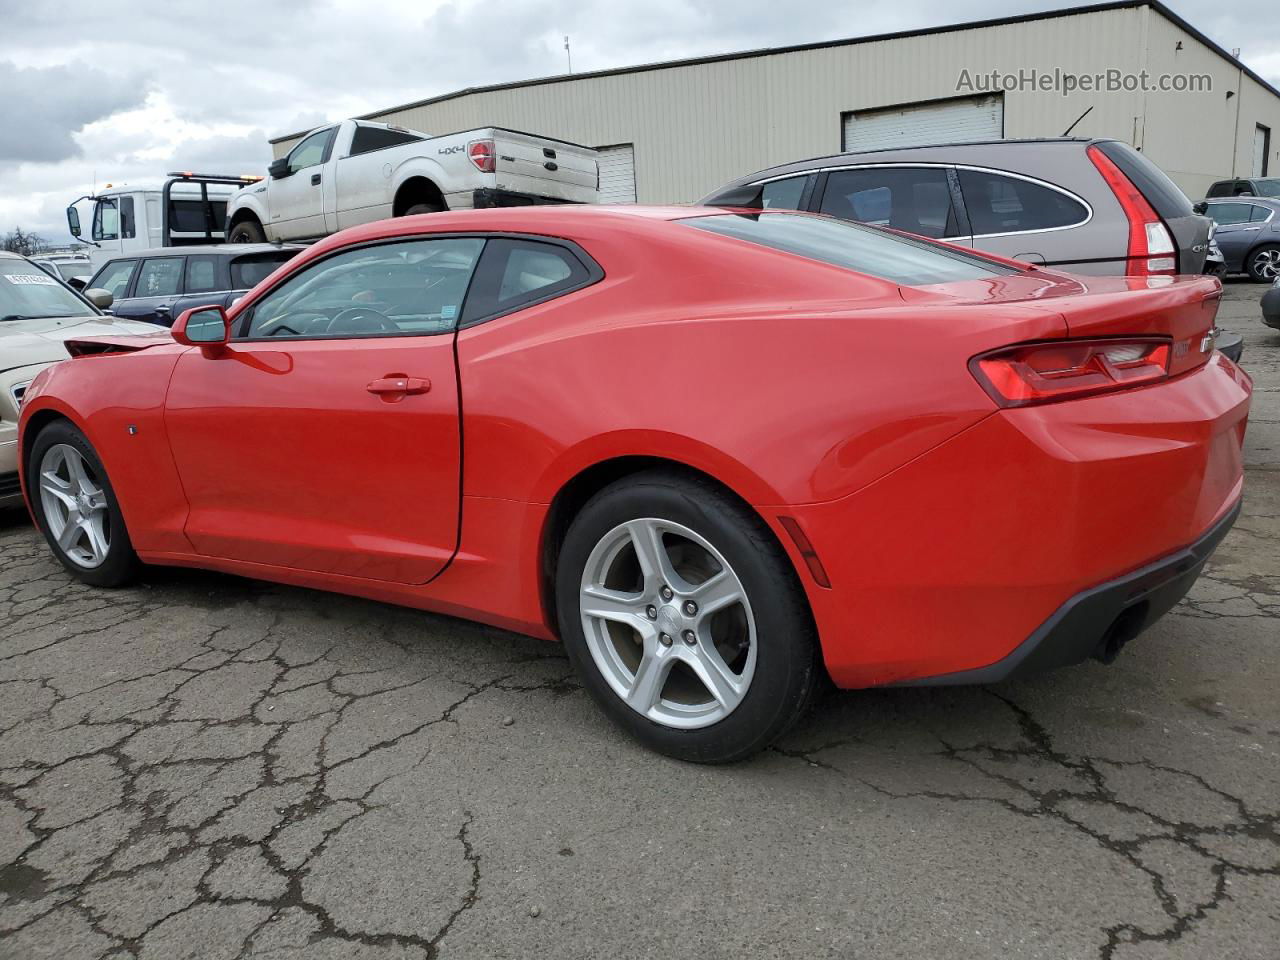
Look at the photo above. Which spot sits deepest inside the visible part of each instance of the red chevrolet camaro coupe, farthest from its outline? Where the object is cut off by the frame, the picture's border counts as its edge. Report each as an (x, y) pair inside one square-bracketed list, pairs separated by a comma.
[(715, 453)]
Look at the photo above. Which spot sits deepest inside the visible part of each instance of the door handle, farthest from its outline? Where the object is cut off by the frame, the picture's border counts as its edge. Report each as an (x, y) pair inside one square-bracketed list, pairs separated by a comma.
[(315, 179), (1250, 229), (393, 385), (162, 309)]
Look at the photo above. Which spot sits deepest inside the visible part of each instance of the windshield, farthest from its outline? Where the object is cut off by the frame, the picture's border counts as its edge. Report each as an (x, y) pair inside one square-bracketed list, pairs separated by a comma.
[(890, 256), (72, 269), (27, 292), (1268, 188)]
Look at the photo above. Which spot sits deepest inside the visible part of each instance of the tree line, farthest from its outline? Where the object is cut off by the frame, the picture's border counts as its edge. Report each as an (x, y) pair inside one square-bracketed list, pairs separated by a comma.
[(23, 242)]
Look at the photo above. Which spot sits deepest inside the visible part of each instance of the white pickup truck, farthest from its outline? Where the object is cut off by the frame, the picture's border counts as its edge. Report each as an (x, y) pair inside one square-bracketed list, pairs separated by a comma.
[(356, 171)]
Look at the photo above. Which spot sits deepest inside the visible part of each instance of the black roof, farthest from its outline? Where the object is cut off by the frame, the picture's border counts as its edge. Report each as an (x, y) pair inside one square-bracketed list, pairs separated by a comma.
[(1155, 5)]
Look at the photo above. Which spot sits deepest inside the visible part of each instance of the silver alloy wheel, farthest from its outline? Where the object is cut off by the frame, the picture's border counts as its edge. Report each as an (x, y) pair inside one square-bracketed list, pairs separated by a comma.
[(1267, 263), (75, 506), (668, 623)]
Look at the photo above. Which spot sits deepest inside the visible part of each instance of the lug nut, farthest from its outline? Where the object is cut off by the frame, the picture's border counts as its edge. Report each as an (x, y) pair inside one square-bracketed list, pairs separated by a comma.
[(690, 608), (665, 592), (690, 637), (664, 639), (651, 612)]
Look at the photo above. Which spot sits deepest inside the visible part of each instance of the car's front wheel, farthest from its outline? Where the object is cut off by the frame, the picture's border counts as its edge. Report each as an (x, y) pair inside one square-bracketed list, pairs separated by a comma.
[(76, 508), (1264, 264), (684, 619)]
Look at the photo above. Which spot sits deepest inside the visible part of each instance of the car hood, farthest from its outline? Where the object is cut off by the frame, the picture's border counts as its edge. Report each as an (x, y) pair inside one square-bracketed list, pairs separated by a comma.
[(27, 342)]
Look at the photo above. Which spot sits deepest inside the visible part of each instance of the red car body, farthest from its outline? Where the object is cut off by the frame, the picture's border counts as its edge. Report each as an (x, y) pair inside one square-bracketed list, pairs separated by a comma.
[(934, 530)]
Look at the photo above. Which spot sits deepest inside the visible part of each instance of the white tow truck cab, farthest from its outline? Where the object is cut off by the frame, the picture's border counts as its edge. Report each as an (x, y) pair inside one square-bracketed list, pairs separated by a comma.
[(357, 171), (189, 208)]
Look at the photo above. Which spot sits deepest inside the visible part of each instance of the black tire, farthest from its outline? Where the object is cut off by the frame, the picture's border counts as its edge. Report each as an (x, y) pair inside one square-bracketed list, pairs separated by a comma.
[(418, 208), (787, 669), (1264, 257), (247, 231), (121, 564)]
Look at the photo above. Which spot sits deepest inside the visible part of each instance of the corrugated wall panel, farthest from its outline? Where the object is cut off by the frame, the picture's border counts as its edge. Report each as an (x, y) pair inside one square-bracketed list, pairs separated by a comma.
[(696, 126)]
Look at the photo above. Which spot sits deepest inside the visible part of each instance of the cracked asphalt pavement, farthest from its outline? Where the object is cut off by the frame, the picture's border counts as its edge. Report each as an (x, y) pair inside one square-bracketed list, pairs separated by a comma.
[(208, 767)]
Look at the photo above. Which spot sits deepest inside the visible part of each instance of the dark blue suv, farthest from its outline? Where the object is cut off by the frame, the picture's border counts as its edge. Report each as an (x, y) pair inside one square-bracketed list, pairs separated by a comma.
[(155, 286)]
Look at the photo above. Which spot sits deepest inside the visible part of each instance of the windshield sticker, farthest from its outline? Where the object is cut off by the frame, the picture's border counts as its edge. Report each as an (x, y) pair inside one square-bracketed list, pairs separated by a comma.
[(31, 279), (449, 312)]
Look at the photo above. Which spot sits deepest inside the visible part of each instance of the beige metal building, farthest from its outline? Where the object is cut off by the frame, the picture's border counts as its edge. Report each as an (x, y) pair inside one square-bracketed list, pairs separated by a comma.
[(672, 132)]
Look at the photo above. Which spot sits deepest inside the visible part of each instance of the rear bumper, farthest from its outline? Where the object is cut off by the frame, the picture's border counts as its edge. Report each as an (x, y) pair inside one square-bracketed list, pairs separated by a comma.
[(950, 563), (1098, 622)]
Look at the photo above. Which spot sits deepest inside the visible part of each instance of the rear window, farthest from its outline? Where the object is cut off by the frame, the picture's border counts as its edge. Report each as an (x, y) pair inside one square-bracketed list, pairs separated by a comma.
[(249, 271), (1161, 192), (368, 139), (853, 246)]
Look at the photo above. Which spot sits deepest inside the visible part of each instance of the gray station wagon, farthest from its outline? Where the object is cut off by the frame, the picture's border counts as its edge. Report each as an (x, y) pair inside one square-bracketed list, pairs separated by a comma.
[(1085, 206)]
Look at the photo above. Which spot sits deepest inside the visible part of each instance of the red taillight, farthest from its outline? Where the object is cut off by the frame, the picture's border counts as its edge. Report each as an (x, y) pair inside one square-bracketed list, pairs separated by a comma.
[(482, 155), (1151, 249), (1067, 369)]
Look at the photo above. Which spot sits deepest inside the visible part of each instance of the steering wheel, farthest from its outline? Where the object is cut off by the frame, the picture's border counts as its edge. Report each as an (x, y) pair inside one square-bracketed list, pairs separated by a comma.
[(361, 320)]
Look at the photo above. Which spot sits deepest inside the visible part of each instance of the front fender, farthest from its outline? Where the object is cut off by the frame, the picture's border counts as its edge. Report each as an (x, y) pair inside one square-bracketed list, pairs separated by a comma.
[(117, 402), (253, 201)]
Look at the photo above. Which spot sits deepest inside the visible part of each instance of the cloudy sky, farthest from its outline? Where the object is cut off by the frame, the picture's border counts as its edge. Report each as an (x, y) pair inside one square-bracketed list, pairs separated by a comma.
[(122, 90)]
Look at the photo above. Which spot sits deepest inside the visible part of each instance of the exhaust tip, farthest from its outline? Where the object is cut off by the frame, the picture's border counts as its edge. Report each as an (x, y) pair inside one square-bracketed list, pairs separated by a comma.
[(1124, 628)]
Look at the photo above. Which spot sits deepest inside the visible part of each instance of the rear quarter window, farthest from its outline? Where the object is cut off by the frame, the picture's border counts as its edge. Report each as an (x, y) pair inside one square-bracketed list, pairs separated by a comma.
[(853, 246), (1001, 204), (1161, 192)]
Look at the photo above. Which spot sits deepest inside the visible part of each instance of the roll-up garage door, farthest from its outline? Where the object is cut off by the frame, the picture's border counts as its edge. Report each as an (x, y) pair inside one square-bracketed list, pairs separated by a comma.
[(618, 173), (945, 121)]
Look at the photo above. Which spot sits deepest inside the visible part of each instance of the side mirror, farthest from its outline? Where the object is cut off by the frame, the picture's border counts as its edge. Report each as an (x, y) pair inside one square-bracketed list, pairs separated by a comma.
[(1201, 208), (99, 298), (202, 327), (73, 221), (279, 168)]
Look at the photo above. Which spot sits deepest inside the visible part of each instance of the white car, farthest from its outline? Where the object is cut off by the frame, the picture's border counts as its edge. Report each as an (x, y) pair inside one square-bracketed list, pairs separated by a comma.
[(355, 172), (38, 314)]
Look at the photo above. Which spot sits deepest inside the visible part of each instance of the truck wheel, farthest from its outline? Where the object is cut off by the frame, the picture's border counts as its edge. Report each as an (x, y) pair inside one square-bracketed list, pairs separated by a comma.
[(247, 231), (418, 208)]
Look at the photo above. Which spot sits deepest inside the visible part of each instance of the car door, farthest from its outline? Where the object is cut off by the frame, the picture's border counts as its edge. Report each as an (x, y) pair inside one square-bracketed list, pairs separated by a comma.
[(1234, 232), (916, 199), (1015, 216), (296, 201), (326, 436), (156, 287)]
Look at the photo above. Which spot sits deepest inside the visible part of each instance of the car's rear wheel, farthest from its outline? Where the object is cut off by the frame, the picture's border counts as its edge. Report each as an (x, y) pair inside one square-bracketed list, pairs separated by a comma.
[(684, 618), (247, 231), (1264, 264), (76, 508)]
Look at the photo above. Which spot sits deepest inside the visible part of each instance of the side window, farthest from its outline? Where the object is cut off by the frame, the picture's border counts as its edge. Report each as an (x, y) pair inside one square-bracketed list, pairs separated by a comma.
[(1226, 214), (520, 273), (415, 287), (114, 277), (202, 275), (1243, 188), (999, 204), (249, 271), (311, 151), (106, 220), (1220, 189), (127, 228), (367, 139), (159, 277), (783, 194), (914, 199)]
